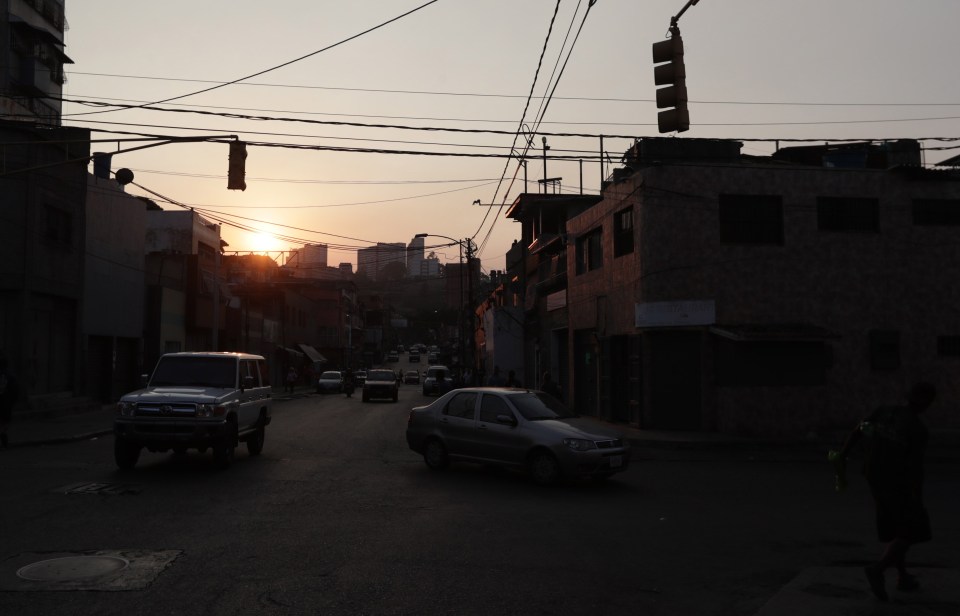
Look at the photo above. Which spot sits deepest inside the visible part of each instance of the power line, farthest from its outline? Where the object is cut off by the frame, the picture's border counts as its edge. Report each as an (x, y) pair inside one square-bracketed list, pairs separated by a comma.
[(509, 96), (288, 63)]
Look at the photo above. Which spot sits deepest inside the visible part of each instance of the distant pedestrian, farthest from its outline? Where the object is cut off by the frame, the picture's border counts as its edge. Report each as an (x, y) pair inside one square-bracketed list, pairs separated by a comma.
[(512, 380), (894, 442), (496, 379), (291, 380), (9, 394), (550, 386)]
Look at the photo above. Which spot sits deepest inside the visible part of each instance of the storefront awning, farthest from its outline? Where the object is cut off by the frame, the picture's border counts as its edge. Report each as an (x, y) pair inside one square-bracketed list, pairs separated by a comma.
[(312, 353), (770, 332)]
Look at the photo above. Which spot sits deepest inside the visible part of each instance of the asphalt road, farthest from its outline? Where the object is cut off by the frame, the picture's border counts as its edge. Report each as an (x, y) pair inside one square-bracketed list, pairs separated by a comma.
[(337, 516)]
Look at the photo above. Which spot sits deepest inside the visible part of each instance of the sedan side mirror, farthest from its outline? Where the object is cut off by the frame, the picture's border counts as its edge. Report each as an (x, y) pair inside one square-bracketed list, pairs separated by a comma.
[(508, 420)]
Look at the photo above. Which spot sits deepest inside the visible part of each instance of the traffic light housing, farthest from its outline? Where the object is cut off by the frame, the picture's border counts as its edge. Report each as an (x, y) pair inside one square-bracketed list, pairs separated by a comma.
[(669, 71), (237, 166)]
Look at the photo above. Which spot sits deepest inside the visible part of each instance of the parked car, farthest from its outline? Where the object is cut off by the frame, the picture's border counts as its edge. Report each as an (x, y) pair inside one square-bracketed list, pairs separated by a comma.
[(360, 377), (196, 400), (431, 383), (392, 356), (414, 357), (433, 357), (381, 384), (330, 382), (515, 428), (411, 377)]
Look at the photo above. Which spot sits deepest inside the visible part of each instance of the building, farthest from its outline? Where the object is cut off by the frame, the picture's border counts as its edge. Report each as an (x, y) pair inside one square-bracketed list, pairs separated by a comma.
[(372, 261), (43, 190), (114, 291), (774, 296), (31, 61)]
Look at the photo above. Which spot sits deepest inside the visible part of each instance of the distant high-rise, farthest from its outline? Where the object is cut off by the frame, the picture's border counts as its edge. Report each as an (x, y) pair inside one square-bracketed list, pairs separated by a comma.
[(415, 257), (372, 260)]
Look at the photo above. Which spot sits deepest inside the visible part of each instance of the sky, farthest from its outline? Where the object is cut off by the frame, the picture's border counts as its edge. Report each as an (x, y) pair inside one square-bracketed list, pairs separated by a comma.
[(757, 71)]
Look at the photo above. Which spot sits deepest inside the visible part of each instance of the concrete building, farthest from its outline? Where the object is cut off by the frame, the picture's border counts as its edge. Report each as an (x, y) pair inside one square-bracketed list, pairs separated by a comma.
[(31, 61), (371, 261), (114, 291), (775, 296), (43, 189)]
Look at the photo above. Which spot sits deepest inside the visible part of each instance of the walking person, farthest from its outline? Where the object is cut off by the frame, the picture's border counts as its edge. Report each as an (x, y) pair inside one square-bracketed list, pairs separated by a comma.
[(895, 441), (291, 380), (550, 386), (512, 380), (496, 379), (9, 394)]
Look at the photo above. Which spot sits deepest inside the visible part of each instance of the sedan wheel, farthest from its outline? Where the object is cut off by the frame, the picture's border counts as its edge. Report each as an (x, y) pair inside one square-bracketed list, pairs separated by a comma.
[(435, 455), (544, 468)]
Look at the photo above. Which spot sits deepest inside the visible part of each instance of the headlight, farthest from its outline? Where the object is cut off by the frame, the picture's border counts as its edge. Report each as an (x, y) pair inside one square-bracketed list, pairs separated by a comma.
[(126, 409), (579, 444), (215, 410)]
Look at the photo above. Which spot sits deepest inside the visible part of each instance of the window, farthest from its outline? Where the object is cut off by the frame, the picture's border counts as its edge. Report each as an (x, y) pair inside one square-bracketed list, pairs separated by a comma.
[(884, 349), (491, 406), (248, 367), (936, 212), (848, 214), (772, 362), (751, 219), (623, 232), (461, 405), (59, 226), (264, 372), (948, 346), (590, 251)]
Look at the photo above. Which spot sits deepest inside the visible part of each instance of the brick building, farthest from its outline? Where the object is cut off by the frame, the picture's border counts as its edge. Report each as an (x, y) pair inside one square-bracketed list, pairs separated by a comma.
[(777, 295)]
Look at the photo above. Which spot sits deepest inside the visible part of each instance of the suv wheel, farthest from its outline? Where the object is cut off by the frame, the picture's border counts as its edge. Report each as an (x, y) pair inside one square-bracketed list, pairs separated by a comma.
[(255, 440), (125, 453), (225, 448)]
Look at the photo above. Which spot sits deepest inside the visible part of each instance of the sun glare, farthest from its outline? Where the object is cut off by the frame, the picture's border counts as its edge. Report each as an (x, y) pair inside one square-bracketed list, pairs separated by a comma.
[(263, 242)]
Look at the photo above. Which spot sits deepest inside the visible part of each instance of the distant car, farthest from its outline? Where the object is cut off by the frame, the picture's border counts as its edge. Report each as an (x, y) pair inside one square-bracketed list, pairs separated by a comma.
[(380, 384), (330, 382), (414, 357), (360, 377), (411, 377), (433, 358), (392, 356), (432, 385), (515, 428), (400, 348)]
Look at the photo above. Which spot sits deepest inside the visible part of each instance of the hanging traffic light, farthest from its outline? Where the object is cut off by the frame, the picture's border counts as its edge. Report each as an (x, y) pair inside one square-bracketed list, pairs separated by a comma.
[(670, 72), (237, 166)]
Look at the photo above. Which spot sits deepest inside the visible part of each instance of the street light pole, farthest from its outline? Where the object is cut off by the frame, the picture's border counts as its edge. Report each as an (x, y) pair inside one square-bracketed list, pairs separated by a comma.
[(461, 320)]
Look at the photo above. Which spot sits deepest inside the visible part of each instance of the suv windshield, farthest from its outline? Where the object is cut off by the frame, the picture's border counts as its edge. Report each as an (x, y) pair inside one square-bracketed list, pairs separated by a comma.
[(196, 371), (538, 405), (381, 375)]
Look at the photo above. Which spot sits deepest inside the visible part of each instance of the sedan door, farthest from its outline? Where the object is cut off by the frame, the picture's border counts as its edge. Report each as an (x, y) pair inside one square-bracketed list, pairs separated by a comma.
[(499, 436), (457, 423)]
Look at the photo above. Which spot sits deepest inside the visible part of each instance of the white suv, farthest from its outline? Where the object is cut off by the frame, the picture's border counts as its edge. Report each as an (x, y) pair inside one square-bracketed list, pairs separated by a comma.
[(196, 400)]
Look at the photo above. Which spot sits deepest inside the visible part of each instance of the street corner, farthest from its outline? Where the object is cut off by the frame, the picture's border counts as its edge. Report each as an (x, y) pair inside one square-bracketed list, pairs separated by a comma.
[(844, 591)]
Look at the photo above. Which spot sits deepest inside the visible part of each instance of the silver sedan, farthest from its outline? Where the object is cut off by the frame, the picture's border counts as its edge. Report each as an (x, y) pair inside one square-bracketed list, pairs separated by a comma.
[(517, 428)]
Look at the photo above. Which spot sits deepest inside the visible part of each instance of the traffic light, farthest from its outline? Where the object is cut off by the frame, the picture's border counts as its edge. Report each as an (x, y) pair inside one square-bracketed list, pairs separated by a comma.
[(238, 166), (669, 71)]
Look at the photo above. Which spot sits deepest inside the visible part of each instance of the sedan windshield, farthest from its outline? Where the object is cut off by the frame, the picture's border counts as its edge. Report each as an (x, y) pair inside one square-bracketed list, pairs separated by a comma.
[(538, 405), (330, 376)]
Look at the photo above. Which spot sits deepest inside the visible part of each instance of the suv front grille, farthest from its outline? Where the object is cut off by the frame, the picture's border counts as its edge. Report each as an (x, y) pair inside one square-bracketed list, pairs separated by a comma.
[(173, 410)]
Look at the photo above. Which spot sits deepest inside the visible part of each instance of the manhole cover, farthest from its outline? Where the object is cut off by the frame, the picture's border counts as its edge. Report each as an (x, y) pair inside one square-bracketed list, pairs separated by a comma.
[(71, 568)]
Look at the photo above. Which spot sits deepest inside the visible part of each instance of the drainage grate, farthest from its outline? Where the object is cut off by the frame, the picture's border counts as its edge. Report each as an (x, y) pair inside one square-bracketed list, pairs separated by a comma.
[(104, 489)]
